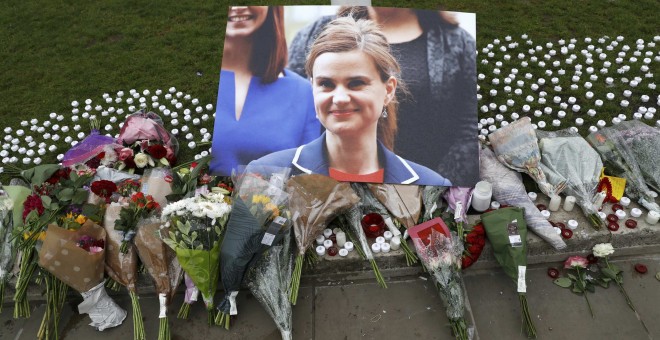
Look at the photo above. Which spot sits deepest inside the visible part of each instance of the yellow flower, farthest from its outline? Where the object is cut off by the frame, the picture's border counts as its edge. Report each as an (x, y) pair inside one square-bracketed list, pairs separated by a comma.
[(81, 219), (260, 199), (69, 216), (272, 207)]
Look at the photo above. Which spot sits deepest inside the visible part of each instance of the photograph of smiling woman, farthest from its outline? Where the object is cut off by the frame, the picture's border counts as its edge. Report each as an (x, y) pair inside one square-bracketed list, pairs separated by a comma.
[(354, 81), (261, 107)]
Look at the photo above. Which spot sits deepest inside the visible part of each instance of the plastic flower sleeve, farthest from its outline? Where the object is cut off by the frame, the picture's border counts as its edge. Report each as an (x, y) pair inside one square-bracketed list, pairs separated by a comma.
[(146, 126), (624, 156), (156, 182), (269, 283), (567, 157), (516, 147), (8, 245), (431, 200), (441, 258), (100, 307), (508, 189), (110, 174), (89, 148)]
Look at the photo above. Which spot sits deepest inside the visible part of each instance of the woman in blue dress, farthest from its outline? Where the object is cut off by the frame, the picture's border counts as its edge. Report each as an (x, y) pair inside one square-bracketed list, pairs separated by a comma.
[(354, 81), (262, 107)]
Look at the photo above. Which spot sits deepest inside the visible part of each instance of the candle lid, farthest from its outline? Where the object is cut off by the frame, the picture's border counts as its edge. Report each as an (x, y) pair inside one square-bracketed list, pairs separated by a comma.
[(336, 231), (483, 187), (572, 224), (636, 212), (570, 199)]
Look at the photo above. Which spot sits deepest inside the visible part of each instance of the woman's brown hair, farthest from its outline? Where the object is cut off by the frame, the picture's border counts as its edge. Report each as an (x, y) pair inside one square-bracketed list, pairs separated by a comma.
[(269, 51), (348, 34)]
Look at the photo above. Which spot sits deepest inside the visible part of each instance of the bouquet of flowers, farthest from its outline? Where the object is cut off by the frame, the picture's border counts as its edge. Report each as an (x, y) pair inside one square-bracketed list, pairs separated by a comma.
[(54, 189), (440, 254), (139, 208), (194, 231), (156, 183), (459, 199), (473, 242), (507, 233), (163, 267), (431, 200), (185, 180), (516, 147), (146, 143), (508, 189), (255, 223), (626, 150), (77, 258), (567, 157), (95, 150), (315, 200), (269, 282), (8, 243), (122, 267)]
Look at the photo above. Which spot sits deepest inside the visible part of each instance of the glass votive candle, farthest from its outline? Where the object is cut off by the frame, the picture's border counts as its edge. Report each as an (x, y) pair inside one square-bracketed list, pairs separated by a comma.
[(373, 225)]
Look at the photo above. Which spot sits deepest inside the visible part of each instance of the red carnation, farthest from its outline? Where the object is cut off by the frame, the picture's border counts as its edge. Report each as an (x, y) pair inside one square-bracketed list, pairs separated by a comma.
[(103, 188), (157, 151), (33, 202)]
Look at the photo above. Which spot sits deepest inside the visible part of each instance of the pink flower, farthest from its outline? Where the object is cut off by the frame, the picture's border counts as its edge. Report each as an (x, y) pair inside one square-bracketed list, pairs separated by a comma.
[(576, 261), (125, 153), (94, 249)]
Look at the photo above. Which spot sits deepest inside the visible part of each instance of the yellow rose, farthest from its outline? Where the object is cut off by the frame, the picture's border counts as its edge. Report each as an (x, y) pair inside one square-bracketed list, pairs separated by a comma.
[(81, 219)]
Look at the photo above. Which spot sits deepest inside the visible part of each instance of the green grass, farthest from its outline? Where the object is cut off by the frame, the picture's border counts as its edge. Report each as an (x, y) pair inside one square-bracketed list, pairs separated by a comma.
[(54, 52)]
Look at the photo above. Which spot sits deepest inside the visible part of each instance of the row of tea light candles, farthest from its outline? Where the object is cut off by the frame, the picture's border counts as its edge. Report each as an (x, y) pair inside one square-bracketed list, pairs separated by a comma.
[(325, 244), (481, 201)]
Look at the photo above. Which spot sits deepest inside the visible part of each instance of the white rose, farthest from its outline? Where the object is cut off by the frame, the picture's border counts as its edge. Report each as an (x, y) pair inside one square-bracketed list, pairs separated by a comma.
[(603, 249), (141, 160)]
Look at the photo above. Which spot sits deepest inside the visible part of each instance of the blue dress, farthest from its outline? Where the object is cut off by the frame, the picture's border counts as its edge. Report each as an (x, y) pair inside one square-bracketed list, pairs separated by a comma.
[(275, 116)]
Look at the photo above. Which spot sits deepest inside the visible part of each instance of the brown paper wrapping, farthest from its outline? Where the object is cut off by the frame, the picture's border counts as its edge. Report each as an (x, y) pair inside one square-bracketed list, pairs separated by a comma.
[(404, 202), (120, 267), (78, 268), (159, 259)]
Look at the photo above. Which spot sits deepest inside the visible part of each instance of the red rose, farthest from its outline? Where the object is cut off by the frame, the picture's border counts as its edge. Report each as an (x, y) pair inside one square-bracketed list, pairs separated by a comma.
[(130, 162), (472, 238), (157, 151), (481, 241), (141, 205), (193, 165), (100, 155), (474, 249), (466, 261), (103, 188), (151, 205), (478, 229)]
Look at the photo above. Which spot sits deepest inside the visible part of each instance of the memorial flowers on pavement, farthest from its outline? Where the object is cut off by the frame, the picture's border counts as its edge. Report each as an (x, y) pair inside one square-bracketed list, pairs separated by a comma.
[(140, 207), (580, 283)]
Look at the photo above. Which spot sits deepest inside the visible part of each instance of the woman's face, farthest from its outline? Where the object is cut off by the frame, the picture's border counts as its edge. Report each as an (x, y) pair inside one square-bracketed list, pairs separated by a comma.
[(349, 94), (243, 21)]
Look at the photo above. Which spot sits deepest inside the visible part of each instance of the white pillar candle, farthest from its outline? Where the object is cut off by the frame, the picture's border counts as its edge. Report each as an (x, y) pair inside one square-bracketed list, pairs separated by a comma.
[(343, 252), (572, 224), (620, 214), (569, 203), (395, 243), (652, 217), (625, 201), (636, 212), (555, 203), (341, 239), (388, 235), (385, 247), (327, 243), (320, 250), (348, 246), (375, 247)]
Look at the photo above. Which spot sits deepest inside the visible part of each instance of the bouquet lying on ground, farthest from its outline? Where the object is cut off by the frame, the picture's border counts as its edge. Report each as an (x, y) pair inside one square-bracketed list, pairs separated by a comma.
[(8, 242), (95, 150), (269, 282), (314, 201), (507, 233), (567, 157), (139, 208), (516, 147), (163, 267), (404, 202), (440, 254), (122, 266), (254, 224), (194, 231), (508, 189), (626, 150), (146, 143), (77, 258)]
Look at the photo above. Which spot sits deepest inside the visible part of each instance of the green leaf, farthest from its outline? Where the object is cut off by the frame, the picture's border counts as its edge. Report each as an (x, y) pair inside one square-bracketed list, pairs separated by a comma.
[(65, 194), (615, 269), (572, 277), (184, 227), (80, 196), (608, 273), (603, 283), (577, 290), (563, 282), (46, 200), (580, 285)]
